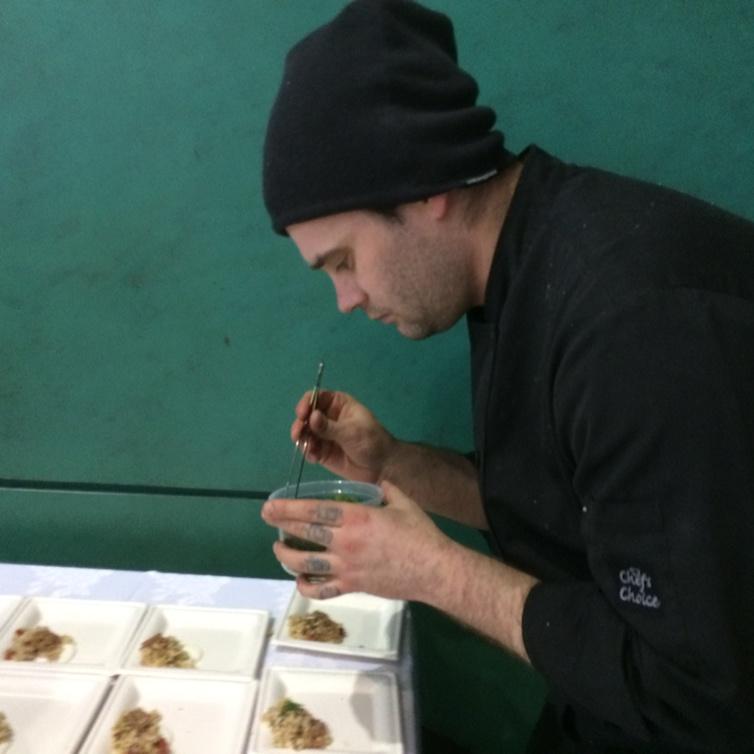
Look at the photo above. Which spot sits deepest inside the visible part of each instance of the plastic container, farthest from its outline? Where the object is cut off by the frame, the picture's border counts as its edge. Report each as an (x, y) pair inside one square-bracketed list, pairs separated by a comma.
[(340, 490)]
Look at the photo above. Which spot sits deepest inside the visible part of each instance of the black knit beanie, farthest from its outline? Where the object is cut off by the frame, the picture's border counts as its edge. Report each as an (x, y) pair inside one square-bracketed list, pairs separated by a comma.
[(373, 111)]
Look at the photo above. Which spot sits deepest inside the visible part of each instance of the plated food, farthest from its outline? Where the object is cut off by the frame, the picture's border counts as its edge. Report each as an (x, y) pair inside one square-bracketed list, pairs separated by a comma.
[(358, 709), (171, 712), (138, 732), (316, 626), (159, 651), (294, 727), (200, 642), (28, 644), (6, 732), (76, 635), (371, 626)]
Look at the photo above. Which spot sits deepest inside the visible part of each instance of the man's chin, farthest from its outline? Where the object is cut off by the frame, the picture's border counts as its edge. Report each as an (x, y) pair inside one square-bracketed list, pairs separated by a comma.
[(413, 331)]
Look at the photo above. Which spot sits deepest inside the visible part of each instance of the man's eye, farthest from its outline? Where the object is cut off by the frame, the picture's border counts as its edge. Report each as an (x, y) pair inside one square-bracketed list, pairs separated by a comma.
[(342, 265)]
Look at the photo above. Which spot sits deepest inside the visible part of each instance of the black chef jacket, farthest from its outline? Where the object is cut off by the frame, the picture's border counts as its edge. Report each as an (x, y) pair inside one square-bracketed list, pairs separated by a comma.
[(613, 393)]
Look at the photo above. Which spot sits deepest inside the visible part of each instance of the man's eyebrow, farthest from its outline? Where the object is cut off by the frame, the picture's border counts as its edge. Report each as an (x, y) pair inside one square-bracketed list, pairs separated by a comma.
[(320, 259)]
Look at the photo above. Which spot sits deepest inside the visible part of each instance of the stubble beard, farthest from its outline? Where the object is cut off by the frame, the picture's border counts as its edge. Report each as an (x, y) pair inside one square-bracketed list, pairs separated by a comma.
[(435, 295)]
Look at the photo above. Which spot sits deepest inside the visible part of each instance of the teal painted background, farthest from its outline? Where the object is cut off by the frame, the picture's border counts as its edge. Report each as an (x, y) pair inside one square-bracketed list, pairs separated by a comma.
[(151, 326), (154, 330)]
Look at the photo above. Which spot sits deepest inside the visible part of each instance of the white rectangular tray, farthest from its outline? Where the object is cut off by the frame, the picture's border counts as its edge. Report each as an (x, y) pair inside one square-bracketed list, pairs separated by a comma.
[(8, 604), (100, 631), (360, 708), (198, 715), (372, 624), (49, 712), (222, 642)]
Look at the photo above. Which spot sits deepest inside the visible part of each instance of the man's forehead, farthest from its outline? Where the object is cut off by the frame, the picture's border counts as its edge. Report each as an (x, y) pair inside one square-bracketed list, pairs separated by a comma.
[(323, 236)]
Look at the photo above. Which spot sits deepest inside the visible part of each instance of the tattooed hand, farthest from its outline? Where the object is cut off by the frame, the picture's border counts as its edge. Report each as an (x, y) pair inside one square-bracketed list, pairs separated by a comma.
[(390, 551)]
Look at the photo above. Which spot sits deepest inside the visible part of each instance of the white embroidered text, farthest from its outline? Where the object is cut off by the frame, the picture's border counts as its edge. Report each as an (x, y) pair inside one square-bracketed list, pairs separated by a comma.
[(636, 587)]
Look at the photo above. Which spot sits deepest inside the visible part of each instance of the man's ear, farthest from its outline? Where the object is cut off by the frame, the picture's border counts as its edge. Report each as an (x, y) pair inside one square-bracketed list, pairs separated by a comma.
[(438, 205)]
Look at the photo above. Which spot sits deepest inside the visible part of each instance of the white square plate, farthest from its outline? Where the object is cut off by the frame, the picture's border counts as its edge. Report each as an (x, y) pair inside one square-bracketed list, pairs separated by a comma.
[(372, 625), (8, 603), (221, 642), (359, 708), (49, 712), (100, 632), (198, 715)]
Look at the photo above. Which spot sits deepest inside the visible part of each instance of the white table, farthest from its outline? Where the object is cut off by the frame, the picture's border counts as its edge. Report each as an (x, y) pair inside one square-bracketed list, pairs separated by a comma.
[(208, 591)]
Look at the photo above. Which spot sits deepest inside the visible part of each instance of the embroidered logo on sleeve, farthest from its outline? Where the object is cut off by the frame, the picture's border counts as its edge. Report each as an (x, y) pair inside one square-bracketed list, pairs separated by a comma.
[(636, 587)]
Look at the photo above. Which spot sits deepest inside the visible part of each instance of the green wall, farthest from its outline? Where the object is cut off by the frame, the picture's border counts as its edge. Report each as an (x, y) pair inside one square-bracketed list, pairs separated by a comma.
[(154, 331)]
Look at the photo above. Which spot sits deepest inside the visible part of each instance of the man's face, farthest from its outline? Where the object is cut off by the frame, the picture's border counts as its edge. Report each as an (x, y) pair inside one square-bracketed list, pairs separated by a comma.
[(407, 272)]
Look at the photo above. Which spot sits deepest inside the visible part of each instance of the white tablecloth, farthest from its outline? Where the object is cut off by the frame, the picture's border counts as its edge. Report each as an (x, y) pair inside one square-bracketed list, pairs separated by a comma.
[(207, 591)]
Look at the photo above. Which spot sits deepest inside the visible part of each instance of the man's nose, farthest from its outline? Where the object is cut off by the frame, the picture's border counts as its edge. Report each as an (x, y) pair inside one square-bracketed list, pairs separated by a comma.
[(349, 296)]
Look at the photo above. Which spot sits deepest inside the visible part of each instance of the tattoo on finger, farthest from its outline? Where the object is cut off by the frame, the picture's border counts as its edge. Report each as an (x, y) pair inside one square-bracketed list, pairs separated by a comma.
[(318, 533), (316, 565), (328, 514), (329, 591)]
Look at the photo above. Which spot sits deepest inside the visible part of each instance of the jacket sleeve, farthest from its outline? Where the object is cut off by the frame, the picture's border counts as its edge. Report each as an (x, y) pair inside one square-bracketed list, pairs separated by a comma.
[(654, 412)]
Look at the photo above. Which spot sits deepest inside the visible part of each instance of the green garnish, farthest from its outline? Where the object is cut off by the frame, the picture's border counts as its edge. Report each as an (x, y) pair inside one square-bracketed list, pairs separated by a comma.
[(344, 498), (288, 706)]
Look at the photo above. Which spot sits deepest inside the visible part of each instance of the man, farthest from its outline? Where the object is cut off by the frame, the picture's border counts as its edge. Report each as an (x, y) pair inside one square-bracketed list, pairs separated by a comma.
[(612, 340)]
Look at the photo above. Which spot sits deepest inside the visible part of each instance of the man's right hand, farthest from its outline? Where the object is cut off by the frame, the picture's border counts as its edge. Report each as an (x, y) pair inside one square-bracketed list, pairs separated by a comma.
[(344, 436)]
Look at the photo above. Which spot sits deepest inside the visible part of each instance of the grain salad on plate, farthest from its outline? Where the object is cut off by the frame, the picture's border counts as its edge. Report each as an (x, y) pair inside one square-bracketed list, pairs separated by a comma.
[(294, 727), (160, 651), (6, 732), (138, 732), (39, 642), (316, 626)]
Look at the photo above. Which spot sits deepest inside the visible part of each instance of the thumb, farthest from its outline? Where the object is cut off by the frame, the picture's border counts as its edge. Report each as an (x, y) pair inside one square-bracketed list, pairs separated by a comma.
[(394, 497)]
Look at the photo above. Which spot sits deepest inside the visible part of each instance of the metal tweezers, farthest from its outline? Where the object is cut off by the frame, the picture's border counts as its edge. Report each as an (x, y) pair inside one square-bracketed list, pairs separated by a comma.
[(305, 434)]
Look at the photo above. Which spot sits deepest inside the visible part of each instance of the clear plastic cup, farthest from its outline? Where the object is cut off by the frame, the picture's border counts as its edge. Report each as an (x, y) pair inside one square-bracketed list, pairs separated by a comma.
[(340, 490)]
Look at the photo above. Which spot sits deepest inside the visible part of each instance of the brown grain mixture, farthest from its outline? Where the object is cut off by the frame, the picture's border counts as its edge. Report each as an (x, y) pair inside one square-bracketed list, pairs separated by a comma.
[(30, 643), (316, 626), (138, 732), (294, 727), (6, 732), (160, 651)]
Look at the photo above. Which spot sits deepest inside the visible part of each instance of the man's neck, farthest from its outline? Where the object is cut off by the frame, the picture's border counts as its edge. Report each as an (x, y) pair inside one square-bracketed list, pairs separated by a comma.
[(488, 227)]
